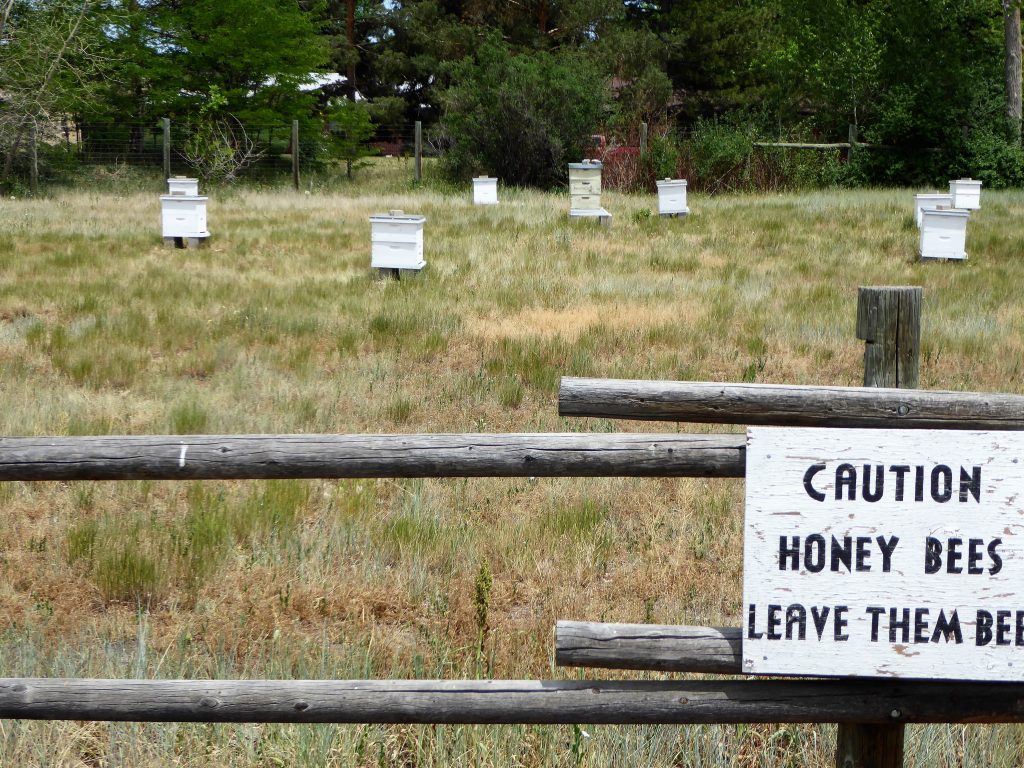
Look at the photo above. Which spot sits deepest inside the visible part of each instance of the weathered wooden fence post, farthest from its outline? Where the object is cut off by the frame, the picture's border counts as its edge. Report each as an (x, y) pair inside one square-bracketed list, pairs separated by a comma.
[(419, 150), (889, 321), (643, 141), (167, 147), (33, 168)]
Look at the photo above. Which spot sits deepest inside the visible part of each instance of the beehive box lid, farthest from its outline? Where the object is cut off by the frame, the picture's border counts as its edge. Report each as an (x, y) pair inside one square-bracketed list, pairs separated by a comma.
[(586, 165), (942, 211), (671, 182), (395, 215), (485, 178)]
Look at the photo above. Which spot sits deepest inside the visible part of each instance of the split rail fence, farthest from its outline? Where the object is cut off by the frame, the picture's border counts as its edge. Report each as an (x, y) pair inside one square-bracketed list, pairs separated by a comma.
[(871, 713)]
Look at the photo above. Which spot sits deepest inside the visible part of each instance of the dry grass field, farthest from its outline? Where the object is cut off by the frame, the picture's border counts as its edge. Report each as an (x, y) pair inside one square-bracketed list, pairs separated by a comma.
[(280, 327)]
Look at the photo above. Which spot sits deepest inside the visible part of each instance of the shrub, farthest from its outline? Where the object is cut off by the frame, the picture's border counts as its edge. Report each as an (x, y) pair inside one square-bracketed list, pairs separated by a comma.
[(718, 155), (522, 117)]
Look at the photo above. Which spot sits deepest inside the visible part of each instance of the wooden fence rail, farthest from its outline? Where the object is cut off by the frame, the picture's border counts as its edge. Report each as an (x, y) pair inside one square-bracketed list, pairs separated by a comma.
[(659, 647), (510, 701), (789, 405), (208, 457)]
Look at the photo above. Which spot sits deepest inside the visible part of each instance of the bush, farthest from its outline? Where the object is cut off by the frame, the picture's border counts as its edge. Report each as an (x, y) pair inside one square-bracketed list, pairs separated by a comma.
[(992, 156), (521, 117), (718, 156)]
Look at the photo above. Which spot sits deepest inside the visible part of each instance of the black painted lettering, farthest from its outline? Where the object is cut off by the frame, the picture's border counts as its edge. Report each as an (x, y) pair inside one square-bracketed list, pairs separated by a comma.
[(918, 483), (942, 483), (887, 548), (997, 561), (751, 620), (842, 553), (920, 625), (863, 553), (820, 619), (814, 553), (945, 627), (1003, 627), (791, 551), (953, 555), (895, 624), (970, 484), (900, 470), (808, 476), (875, 612), (796, 616), (839, 624), (983, 628), (1018, 639), (932, 555), (846, 477), (867, 492), (974, 555), (774, 620)]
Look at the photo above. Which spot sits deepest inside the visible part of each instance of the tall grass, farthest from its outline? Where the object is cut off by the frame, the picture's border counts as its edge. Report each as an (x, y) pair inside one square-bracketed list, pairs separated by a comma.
[(279, 326)]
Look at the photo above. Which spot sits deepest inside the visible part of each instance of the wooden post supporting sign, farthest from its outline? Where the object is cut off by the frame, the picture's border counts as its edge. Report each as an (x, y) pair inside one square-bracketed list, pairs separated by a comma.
[(889, 321)]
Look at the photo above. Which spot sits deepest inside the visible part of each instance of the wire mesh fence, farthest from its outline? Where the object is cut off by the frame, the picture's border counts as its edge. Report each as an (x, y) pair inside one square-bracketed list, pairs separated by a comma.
[(261, 149)]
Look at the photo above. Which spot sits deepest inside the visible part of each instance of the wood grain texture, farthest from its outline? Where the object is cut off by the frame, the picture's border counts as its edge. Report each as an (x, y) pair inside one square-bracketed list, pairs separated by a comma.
[(508, 701), (179, 457), (648, 646), (789, 405), (889, 322), (953, 536), (869, 746)]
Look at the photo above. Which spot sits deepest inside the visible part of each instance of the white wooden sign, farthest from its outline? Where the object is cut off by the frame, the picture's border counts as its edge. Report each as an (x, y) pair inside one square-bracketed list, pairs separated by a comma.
[(884, 553)]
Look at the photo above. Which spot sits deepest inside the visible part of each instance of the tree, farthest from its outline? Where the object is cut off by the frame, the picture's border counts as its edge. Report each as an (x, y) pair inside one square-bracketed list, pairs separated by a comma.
[(52, 61), (1012, 71), (521, 116)]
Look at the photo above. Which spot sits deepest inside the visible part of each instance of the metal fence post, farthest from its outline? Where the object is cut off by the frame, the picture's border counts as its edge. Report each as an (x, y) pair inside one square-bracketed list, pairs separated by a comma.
[(419, 150)]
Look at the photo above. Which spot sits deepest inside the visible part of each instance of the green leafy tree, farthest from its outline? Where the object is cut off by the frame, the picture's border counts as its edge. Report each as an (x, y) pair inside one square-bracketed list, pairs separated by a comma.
[(521, 117), (351, 128), (256, 53)]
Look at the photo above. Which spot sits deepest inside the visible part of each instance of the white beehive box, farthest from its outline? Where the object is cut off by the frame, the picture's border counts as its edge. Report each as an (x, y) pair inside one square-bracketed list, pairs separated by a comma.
[(396, 240), (672, 197), (485, 190), (966, 194), (180, 185), (929, 202), (944, 233), (183, 216), (585, 185)]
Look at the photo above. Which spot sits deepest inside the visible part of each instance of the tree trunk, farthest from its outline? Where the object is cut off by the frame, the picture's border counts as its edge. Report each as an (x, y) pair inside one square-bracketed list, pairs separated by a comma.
[(350, 27), (1012, 69)]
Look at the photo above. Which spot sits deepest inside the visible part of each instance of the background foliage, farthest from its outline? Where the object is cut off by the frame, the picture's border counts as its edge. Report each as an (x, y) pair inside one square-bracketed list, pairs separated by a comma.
[(517, 89)]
